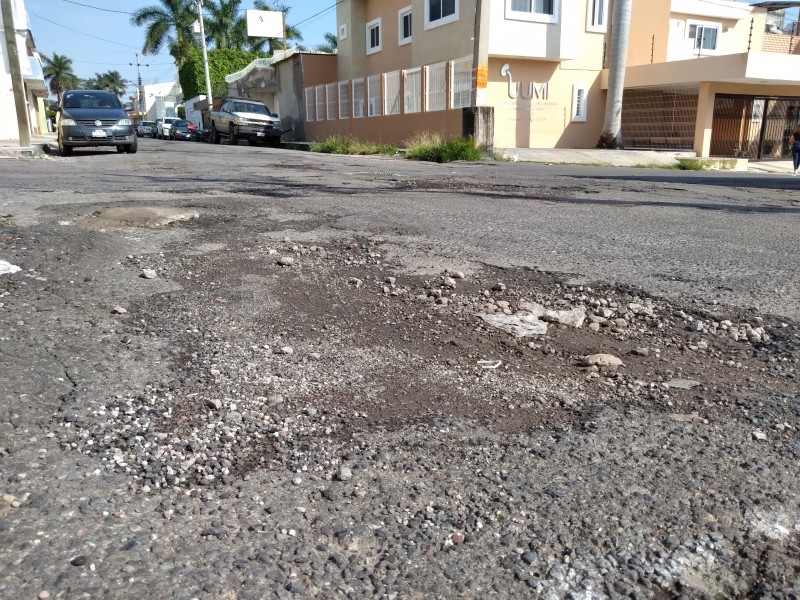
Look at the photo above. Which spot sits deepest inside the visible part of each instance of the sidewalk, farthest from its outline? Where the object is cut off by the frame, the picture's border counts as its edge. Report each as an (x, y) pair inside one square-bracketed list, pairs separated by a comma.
[(12, 149), (605, 158)]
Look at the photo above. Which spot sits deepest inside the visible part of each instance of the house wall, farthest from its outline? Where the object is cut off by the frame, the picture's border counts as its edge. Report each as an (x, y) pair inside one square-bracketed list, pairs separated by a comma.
[(649, 32), (543, 122), (392, 129), (542, 41)]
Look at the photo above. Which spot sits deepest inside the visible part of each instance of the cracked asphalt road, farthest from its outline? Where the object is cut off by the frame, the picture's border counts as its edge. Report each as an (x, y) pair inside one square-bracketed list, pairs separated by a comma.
[(298, 403)]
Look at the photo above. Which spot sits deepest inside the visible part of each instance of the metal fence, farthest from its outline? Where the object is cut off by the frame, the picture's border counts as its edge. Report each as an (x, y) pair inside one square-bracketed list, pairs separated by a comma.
[(754, 127)]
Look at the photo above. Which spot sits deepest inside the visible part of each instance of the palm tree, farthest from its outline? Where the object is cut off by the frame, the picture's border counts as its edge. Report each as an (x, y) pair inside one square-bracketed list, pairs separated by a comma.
[(58, 73), (620, 29), (168, 23), (330, 45), (225, 28), (114, 83)]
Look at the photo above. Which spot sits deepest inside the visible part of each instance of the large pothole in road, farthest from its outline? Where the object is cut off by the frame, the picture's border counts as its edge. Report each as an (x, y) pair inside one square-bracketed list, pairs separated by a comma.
[(136, 216)]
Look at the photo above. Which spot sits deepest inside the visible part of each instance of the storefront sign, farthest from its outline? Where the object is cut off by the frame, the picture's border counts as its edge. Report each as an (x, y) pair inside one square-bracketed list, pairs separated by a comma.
[(541, 91)]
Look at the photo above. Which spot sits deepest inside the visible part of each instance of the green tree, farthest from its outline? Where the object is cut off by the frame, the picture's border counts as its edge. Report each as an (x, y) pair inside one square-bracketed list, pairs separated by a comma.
[(111, 81), (225, 27), (221, 62), (330, 45), (168, 23), (114, 82), (58, 73)]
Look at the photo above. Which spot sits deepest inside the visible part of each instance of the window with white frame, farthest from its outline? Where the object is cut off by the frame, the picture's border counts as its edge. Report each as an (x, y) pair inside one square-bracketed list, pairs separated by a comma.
[(412, 90), (580, 94), (344, 100), (374, 96), (391, 93), (310, 104), (374, 35), (330, 94), (358, 98), (404, 26), (343, 31), (320, 101), (704, 35), (440, 12), (597, 16), (461, 82), (436, 87), (540, 11)]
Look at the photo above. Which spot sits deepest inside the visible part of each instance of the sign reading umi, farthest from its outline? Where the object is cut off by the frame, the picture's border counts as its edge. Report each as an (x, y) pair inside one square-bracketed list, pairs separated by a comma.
[(540, 90)]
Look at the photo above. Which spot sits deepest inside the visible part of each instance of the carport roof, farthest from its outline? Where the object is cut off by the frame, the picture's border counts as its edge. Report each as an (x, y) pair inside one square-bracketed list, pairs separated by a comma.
[(772, 5)]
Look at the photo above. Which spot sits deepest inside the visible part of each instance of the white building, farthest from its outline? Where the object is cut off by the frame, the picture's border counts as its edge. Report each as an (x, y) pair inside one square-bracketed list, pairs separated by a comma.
[(32, 74), (162, 100)]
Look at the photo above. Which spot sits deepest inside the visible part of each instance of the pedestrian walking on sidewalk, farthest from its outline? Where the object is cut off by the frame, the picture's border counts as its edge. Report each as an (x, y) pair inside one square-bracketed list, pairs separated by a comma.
[(794, 140)]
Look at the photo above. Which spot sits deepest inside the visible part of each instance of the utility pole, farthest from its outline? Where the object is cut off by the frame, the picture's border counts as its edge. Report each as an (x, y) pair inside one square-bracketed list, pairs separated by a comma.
[(141, 85), (17, 83), (205, 53)]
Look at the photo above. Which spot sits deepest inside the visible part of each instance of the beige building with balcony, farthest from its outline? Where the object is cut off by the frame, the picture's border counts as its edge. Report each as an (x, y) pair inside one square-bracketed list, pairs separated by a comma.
[(714, 76)]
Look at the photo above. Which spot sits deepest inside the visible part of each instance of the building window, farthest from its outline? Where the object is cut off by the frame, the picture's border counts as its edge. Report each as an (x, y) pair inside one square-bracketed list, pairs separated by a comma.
[(440, 12), (344, 99), (461, 82), (436, 87), (412, 90), (404, 26), (597, 16), (320, 99), (343, 31), (579, 102), (374, 36), (374, 95), (333, 105), (358, 98), (391, 93), (309, 104), (540, 11), (704, 35)]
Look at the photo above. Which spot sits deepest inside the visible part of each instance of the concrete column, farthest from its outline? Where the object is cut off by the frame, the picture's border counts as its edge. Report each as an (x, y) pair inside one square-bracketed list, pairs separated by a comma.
[(705, 119)]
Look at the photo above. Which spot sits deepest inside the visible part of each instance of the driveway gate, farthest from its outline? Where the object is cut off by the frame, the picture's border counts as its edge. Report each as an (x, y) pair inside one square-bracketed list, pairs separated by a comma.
[(754, 127)]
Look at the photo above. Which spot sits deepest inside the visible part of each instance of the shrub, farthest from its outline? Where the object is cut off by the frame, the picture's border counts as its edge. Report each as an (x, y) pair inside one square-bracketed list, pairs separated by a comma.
[(432, 147), (343, 145), (690, 164)]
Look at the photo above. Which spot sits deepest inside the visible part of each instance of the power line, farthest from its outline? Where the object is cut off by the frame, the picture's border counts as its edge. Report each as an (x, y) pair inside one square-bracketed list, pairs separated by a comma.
[(122, 12), (81, 32)]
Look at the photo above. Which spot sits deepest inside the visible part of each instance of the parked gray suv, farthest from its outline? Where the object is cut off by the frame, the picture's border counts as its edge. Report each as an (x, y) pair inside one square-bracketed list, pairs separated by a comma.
[(93, 118)]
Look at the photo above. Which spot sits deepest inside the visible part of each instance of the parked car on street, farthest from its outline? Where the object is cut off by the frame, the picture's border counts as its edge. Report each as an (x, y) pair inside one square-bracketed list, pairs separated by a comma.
[(181, 130), (241, 118), (93, 118), (146, 129), (163, 127)]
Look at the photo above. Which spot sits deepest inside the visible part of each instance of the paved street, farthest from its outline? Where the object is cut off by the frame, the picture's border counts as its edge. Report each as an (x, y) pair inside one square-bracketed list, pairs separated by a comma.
[(245, 372)]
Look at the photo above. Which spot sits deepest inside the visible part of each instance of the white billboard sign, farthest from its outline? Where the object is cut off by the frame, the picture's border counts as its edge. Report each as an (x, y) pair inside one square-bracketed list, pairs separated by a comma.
[(264, 23)]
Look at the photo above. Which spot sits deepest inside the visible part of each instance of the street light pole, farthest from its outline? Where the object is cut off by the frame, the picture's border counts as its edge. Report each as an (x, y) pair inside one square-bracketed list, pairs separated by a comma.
[(205, 53)]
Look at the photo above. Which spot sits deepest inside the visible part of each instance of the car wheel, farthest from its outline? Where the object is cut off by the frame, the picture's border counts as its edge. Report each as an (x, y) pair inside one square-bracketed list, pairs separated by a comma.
[(232, 139), (62, 149), (132, 148), (214, 134)]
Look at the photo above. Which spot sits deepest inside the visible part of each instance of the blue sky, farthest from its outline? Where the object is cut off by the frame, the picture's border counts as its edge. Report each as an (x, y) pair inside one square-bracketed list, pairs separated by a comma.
[(66, 27)]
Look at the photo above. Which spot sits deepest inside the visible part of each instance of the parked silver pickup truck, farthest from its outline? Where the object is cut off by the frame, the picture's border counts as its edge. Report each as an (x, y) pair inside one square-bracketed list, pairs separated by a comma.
[(239, 118)]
